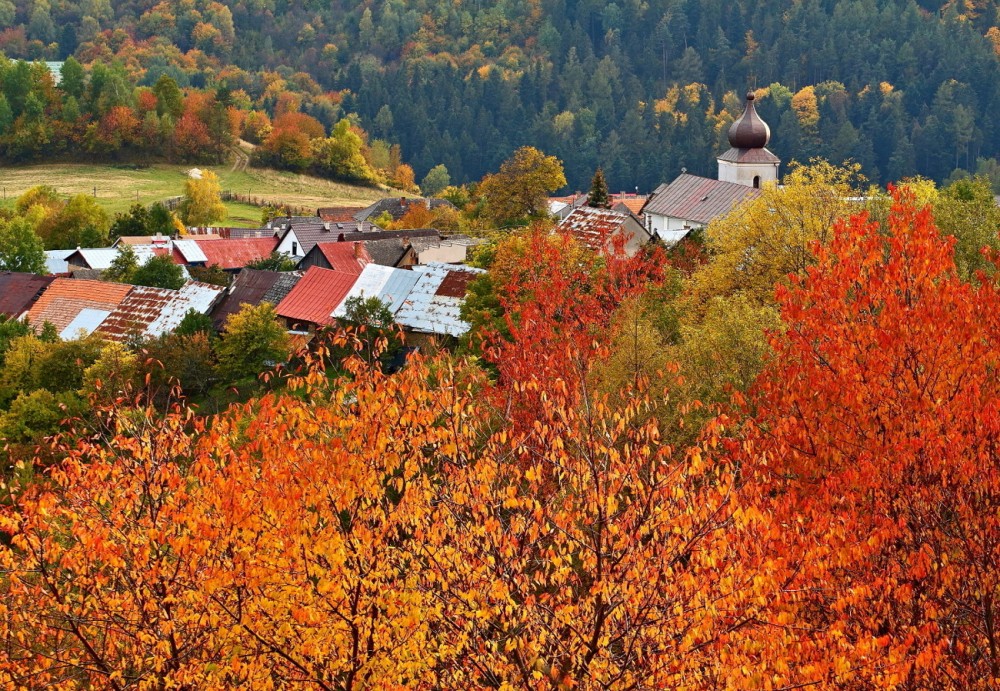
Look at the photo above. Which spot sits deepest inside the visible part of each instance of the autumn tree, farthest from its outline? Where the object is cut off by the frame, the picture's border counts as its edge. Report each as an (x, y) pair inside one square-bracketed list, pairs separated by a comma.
[(519, 190), (202, 203), (252, 341), (875, 444)]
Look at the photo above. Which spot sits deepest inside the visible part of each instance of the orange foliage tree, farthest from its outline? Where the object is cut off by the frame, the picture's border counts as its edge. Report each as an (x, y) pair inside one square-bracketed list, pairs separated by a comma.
[(876, 444)]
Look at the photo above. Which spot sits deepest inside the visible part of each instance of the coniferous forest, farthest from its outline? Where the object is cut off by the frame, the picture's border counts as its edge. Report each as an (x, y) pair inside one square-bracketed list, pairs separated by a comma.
[(642, 88)]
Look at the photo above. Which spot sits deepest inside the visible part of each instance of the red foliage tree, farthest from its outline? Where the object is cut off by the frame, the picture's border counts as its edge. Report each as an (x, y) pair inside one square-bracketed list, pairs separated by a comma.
[(876, 442)]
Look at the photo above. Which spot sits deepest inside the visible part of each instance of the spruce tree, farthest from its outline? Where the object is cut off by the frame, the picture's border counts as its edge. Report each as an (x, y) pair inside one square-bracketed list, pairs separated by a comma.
[(598, 197)]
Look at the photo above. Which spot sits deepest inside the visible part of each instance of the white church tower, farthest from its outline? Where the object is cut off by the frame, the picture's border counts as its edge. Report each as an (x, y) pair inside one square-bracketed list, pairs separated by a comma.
[(748, 162)]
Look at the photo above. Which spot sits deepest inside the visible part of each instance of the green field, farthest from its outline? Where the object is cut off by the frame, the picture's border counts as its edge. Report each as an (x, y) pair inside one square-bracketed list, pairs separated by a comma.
[(117, 188)]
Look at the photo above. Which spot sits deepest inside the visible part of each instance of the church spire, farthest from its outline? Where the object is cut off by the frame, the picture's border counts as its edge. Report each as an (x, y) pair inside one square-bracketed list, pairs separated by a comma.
[(749, 131)]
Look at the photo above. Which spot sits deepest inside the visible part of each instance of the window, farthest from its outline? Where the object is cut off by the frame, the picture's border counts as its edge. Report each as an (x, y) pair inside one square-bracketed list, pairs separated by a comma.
[(295, 248), (756, 182)]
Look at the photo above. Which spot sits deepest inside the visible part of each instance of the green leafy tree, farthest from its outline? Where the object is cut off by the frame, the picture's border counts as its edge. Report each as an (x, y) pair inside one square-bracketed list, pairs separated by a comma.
[(253, 340), (20, 247), (521, 188), (202, 203), (375, 326), (276, 262), (73, 82), (598, 197), (160, 272), (195, 322), (80, 222), (135, 221), (436, 180), (169, 99), (967, 210), (123, 266)]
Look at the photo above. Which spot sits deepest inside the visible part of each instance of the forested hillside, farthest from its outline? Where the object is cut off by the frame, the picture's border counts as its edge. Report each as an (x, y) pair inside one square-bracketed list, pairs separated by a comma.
[(642, 88)]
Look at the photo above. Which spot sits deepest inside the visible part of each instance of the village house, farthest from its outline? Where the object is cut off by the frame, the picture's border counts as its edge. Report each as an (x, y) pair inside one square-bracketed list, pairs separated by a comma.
[(253, 287), (19, 291), (602, 230)]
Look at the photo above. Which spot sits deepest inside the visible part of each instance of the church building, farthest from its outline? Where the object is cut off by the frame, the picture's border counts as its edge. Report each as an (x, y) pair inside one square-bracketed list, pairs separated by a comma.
[(691, 201)]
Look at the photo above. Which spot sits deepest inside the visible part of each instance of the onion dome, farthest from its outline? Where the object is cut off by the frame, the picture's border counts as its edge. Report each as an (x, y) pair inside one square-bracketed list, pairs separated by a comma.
[(749, 131)]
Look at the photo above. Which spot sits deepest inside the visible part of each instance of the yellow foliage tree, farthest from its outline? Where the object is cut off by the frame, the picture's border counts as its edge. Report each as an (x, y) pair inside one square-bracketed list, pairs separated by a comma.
[(202, 203)]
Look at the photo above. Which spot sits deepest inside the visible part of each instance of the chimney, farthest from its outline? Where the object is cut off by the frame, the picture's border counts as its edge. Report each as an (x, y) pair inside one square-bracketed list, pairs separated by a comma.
[(326, 226), (357, 250), (340, 238), (427, 203), (405, 240)]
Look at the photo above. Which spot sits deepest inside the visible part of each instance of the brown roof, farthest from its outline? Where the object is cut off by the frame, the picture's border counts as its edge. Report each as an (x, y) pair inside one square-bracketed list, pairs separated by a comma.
[(143, 240), (314, 298), (456, 284), (342, 214), (19, 291), (697, 199), (251, 287), (749, 156), (65, 298), (593, 227), (236, 253)]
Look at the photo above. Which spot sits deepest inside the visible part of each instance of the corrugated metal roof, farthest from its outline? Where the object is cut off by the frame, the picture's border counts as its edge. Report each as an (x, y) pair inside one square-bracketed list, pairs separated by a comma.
[(18, 292), (65, 298), (698, 199), (428, 308), (99, 258), (389, 285), (55, 261), (190, 251), (84, 324), (314, 298), (236, 253), (200, 297)]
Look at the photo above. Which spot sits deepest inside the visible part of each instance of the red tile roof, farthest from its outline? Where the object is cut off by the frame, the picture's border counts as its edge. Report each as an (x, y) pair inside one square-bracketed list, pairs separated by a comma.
[(236, 253), (348, 257), (18, 292), (65, 298), (314, 298)]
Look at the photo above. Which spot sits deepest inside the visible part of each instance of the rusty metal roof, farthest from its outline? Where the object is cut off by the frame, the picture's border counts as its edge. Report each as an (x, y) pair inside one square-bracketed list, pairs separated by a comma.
[(315, 296), (236, 253), (19, 291), (135, 313), (697, 199), (432, 306), (593, 227), (152, 312), (66, 298)]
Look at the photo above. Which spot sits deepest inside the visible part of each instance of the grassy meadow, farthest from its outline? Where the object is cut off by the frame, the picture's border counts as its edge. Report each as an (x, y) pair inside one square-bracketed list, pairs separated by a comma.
[(117, 188)]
